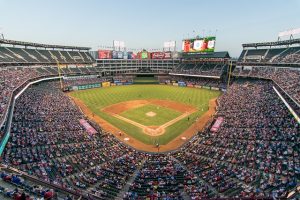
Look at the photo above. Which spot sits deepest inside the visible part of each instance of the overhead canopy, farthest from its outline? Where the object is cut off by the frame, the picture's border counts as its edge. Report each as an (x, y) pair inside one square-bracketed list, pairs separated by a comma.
[(219, 55), (30, 44), (278, 43)]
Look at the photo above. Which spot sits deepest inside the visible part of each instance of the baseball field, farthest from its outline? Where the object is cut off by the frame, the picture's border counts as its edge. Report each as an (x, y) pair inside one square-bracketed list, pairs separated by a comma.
[(149, 114)]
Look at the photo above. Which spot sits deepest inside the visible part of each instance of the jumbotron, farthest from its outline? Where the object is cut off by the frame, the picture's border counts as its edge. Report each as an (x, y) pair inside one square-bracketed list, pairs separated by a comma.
[(114, 124)]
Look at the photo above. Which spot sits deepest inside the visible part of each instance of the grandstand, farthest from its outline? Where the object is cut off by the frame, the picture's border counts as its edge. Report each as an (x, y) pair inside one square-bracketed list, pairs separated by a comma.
[(249, 149), (278, 63)]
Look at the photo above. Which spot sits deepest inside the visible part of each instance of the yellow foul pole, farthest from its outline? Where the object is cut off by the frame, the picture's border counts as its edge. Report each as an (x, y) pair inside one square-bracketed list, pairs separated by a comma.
[(229, 74)]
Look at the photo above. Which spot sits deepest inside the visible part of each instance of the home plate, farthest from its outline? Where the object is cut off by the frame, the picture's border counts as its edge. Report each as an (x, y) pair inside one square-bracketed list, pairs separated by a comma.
[(151, 114)]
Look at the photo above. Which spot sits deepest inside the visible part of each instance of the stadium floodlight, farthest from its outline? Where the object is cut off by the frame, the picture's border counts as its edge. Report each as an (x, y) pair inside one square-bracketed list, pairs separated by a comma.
[(169, 45), (290, 32), (118, 45), (1, 33)]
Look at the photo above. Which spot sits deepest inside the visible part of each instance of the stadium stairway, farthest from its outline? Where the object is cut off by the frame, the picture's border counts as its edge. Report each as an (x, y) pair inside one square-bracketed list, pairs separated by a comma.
[(130, 181), (199, 179)]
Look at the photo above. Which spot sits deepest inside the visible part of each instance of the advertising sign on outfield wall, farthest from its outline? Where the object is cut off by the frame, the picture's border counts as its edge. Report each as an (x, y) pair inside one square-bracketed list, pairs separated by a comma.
[(181, 84), (175, 84), (105, 84), (214, 88)]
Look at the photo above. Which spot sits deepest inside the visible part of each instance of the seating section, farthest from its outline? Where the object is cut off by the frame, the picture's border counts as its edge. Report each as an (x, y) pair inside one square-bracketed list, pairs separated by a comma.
[(288, 55), (47, 141), (254, 154), (195, 81), (14, 186), (287, 78), (10, 79), (201, 68), (160, 177), (11, 55)]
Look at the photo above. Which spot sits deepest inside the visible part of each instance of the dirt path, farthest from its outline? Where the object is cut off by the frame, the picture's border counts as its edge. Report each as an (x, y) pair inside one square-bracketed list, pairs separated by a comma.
[(153, 131), (174, 144), (123, 106)]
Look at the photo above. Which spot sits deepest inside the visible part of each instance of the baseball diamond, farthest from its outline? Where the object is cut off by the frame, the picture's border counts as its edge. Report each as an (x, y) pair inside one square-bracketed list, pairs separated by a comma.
[(125, 107)]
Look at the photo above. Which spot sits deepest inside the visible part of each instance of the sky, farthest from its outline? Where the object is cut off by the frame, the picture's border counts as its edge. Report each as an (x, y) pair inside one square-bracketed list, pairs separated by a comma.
[(147, 23)]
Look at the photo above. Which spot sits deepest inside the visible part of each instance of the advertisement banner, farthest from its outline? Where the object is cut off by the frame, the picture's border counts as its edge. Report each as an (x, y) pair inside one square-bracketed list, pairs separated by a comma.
[(112, 84), (114, 54), (131, 55), (87, 127), (206, 87), (214, 88), (157, 55), (217, 124), (198, 86), (168, 55), (120, 55), (125, 55), (181, 84), (199, 45), (144, 55), (104, 54), (175, 84), (190, 85), (105, 84)]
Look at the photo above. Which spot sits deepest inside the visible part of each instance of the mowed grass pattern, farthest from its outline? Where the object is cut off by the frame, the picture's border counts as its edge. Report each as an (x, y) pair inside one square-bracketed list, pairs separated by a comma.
[(163, 115), (98, 98)]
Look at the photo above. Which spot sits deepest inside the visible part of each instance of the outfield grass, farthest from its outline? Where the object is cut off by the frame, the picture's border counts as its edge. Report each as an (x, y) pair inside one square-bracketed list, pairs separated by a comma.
[(98, 98), (163, 115)]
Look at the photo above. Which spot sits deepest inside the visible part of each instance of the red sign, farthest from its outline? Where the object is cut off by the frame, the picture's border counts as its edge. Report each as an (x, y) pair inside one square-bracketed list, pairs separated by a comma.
[(217, 124), (157, 55), (87, 127), (104, 54)]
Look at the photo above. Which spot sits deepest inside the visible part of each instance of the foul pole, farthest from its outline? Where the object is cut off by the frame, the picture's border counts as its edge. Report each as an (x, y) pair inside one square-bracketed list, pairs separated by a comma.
[(59, 75), (229, 74)]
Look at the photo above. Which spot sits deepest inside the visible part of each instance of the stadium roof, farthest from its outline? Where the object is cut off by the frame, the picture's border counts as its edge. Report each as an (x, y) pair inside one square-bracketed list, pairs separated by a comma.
[(30, 44), (221, 54), (278, 43)]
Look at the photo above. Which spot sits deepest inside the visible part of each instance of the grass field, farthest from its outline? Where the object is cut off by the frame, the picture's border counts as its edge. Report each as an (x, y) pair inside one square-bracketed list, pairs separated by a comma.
[(163, 115), (98, 98)]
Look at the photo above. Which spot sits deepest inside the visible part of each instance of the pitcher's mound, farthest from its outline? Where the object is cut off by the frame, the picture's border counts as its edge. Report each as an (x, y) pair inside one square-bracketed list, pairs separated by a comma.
[(151, 114)]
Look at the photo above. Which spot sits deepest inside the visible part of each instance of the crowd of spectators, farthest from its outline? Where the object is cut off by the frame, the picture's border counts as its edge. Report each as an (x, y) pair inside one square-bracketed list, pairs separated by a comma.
[(256, 151), (200, 81), (287, 78), (254, 154), (10, 79), (47, 141), (204, 69)]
